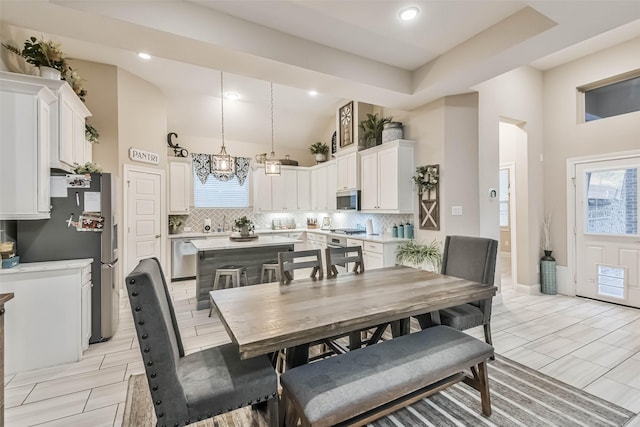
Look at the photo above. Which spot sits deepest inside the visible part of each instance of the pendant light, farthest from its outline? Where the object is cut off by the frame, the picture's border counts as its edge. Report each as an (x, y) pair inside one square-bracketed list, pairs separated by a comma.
[(271, 164), (222, 162)]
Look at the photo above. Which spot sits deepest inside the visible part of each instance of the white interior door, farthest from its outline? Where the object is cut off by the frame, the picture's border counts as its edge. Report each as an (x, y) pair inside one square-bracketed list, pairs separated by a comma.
[(145, 217), (607, 236)]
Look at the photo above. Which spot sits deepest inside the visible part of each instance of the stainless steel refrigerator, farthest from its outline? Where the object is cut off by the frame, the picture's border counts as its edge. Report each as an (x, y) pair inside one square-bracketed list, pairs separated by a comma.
[(83, 225)]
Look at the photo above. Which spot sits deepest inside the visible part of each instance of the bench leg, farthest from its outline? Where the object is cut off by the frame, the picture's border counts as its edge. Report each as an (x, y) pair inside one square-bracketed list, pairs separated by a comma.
[(287, 416), (484, 389)]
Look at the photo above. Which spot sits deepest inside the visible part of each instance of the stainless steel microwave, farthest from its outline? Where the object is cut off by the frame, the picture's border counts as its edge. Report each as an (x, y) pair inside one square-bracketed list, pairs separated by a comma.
[(348, 200)]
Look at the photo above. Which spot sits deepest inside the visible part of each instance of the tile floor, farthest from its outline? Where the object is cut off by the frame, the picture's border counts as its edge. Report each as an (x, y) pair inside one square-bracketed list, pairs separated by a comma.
[(592, 345)]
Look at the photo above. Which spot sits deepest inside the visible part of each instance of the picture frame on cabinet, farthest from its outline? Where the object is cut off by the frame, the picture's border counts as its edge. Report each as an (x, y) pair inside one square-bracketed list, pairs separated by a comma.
[(345, 116)]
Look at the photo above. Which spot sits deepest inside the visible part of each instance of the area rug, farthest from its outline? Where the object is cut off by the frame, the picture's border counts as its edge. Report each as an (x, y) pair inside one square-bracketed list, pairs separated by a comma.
[(520, 396)]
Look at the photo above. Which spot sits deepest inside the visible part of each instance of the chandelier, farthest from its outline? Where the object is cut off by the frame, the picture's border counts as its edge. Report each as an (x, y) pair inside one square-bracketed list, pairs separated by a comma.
[(271, 164), (222, 162)]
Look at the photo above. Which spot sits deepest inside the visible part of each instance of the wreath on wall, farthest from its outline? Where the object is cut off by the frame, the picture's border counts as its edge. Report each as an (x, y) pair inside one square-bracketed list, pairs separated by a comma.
[(426, 178)]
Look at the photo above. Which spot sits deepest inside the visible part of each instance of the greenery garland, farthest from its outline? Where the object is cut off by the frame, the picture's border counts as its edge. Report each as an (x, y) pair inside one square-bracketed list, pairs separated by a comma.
[(426, 177)]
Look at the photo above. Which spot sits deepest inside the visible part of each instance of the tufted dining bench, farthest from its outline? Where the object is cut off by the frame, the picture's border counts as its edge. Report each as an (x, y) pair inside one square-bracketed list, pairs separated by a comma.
[(357, 387)]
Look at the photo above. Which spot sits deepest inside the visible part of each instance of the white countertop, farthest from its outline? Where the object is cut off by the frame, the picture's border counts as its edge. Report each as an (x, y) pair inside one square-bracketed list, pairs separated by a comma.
[(366, 237), (225, 243), (191, 234), (29, 267)]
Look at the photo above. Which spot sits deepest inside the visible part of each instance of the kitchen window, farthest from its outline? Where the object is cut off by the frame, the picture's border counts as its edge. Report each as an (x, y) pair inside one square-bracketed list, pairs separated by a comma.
[(220, 194)]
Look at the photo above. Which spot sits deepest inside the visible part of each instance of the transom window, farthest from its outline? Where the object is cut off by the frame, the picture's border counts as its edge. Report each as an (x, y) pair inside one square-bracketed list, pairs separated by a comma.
[(612, 97)]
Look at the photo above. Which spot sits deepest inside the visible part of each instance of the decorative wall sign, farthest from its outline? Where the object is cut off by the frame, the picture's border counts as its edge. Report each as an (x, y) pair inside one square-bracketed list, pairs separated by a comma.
[(143, 156), (346, 124), (427, 179)]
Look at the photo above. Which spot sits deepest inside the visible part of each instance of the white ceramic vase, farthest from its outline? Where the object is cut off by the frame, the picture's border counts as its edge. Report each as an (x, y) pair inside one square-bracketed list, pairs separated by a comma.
[(320, 157), (50, 73)]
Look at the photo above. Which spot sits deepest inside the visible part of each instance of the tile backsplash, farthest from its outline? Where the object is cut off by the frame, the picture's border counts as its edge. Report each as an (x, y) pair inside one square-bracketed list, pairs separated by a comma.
[(224, 219)]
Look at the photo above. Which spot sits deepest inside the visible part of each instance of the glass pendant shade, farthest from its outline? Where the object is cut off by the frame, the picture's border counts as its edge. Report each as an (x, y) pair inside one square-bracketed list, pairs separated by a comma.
[(271, 164), (222, 162)]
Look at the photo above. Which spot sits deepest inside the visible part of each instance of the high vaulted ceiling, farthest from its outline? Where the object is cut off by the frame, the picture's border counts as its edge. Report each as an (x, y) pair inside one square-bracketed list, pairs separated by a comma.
[(344, 49)]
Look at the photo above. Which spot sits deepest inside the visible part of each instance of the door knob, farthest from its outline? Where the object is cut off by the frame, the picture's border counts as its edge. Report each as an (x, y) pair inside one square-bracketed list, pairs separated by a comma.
[(157, 236)]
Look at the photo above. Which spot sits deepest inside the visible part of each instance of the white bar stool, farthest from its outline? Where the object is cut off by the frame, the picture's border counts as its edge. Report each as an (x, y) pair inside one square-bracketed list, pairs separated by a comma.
[(231, 275), (272, 271)]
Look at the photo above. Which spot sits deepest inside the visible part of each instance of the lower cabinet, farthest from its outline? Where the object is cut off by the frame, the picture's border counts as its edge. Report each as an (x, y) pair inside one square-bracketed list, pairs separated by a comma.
[(50, 318), (376, 254)]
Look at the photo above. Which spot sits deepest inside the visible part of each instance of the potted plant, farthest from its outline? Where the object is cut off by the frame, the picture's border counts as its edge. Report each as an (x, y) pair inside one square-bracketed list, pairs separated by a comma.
[(425, 256), (320, 150), (244, 225), (174, 223), (371, 129), (42, 54)]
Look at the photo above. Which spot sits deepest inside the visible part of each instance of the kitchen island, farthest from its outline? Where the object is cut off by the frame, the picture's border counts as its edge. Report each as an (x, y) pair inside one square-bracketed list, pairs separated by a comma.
[(219, 252)]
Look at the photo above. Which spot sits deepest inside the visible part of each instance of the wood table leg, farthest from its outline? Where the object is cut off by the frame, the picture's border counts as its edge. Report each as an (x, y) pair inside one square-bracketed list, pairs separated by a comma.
[(297, 356)]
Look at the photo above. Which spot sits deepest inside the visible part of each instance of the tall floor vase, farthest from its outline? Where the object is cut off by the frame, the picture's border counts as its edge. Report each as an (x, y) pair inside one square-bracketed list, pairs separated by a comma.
[(548, 283)]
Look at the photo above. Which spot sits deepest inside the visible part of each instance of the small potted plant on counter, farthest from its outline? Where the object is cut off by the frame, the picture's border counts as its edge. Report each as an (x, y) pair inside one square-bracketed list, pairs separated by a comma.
[(244, 225), (320, 150), (174, 223)]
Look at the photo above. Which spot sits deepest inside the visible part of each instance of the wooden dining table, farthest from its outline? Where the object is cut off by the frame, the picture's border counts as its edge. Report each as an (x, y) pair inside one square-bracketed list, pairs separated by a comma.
[(265, 318)]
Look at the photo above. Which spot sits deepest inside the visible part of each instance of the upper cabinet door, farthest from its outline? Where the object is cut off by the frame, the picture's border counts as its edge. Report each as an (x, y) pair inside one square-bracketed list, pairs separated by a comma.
[(180, 185), (348, 172), (304, 190), (25, 118), (388, 179), (332, 177), (369, 181), (69, 145)]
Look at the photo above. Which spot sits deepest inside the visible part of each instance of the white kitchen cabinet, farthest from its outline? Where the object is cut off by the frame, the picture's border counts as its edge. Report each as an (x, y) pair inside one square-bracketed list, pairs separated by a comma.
[(25, 137), (47, 323), (180, 185), (288, 192), (284, 191), (348, 172), (332, 183), (261, 191), (304, 190), (385, 173), (85, 303), (68, 144), (323, 187), (376, 254)]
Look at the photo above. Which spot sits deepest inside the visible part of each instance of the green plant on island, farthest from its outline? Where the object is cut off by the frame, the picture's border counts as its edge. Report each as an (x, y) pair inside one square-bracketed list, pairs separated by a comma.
[(243, 222), (371, 129), (427, 256), (319, 148), (88, 167)]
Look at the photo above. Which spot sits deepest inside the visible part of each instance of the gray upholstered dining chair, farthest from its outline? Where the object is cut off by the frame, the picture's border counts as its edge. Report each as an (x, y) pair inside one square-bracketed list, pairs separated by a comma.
[(186, 389), (471, 258), (287, 262), (341, 257)]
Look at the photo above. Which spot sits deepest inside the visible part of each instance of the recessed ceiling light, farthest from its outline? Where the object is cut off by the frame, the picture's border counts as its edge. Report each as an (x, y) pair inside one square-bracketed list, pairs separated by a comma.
[(143, 55), (313, 92), (232, 96), (409, 13)]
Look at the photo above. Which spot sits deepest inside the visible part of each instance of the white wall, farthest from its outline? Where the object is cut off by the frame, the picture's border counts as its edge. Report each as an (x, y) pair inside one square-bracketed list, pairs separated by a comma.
[(565, 136), (516, 96)]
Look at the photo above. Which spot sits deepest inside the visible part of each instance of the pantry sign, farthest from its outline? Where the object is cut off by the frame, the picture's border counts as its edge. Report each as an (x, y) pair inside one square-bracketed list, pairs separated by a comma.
[(143, 156)]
